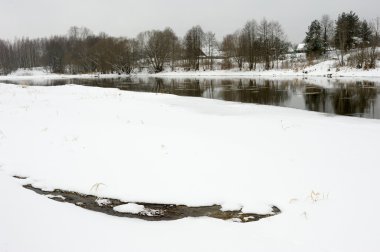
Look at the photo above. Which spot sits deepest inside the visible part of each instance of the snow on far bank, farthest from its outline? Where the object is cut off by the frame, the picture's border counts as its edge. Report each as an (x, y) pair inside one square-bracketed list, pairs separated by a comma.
[(326, 68), (330, 67), (41, 73), (38, 71), (321, 171)]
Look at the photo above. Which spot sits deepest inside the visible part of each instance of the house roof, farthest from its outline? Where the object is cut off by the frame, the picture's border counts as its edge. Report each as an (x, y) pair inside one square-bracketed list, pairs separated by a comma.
[(301, 47)]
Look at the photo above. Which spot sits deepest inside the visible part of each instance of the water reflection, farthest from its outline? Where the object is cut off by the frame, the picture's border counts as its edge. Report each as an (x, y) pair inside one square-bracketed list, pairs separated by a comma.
[(249, 91), (357, 98), (315, 98)]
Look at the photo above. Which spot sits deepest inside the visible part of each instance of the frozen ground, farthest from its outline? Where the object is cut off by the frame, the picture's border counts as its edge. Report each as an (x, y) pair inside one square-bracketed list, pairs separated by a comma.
[(321, 171)]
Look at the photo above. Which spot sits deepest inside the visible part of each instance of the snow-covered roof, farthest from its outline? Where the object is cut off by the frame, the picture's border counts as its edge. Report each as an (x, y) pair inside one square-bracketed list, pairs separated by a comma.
[(301, 47), (213, 51)]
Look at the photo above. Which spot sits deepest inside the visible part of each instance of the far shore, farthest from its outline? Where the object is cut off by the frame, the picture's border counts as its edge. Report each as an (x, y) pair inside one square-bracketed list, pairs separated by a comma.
[(313, 71)]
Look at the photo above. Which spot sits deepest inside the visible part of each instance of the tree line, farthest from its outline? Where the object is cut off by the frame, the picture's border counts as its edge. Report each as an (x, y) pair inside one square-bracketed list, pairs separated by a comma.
[(355, 41), (261, 43), (81, 51)]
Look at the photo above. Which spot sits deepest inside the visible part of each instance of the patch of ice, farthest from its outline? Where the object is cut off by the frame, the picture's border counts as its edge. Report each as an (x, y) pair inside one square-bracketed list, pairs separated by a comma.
[(50, 196), (249, 218), (137, 209), (129, 208), (102, 202), (257, 208), (231, 207)]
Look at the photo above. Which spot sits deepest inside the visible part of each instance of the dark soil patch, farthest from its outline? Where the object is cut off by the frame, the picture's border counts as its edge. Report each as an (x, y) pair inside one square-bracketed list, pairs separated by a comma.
[(152, 212)]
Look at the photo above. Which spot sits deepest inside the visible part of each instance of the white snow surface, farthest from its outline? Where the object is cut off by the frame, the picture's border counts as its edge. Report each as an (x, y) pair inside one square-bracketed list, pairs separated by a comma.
[(321, 171)]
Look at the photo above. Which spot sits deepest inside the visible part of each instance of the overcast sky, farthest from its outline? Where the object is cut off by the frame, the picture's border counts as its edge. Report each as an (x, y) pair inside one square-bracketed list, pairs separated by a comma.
[(35, 18)]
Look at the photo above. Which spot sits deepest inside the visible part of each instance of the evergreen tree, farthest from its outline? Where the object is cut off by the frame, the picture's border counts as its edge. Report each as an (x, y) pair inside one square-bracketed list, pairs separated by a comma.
[(365, 33), (325, 42), (314, 41), (347, 28)]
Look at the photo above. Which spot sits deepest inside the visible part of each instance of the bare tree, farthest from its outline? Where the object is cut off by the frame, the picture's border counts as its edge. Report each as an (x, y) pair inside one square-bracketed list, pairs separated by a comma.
[(341, 38), (374, 42), (251, 45), (174, 47), (6, 58), (327, 25), (55, 49), (157, 47), (278, 43), (193, 43), (264, 37), (233, 46), (272, 42), (211, 47)]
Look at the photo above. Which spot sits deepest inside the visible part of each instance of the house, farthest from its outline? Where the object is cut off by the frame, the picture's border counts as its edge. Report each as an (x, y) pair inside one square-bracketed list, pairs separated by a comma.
[(301, 48)]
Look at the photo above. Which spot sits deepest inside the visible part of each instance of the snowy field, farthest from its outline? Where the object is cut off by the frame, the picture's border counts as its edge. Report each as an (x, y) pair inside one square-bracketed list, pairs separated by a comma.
[(322, 171)]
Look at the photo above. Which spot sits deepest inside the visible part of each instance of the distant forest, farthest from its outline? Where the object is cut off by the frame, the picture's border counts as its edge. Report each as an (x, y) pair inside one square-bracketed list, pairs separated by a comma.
[(256, 44)]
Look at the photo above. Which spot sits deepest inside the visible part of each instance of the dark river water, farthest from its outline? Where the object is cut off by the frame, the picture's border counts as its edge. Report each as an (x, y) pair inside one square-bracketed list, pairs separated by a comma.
[(342, 97)]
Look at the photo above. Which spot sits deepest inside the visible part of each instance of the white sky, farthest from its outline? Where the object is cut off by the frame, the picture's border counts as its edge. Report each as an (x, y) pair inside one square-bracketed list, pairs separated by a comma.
[(35, 18)]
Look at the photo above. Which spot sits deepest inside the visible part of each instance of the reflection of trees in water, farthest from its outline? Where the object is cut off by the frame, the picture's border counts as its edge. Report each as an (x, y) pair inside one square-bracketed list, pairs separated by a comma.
[(272, 92), (346, 99), (158, 86), (354, 99), (315, 98), (186, 87), (109, 83), (131, 84), (209, 90), (190, 88)]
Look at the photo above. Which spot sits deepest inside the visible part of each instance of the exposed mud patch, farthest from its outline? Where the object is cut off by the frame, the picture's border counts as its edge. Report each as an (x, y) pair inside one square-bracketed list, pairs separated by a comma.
[(19, 177), (150, 212)]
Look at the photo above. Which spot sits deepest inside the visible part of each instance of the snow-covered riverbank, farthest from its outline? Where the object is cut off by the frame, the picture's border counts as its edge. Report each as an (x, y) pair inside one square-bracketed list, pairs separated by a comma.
[(320, 170), (42, 74), (324, 69)]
